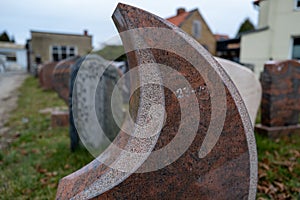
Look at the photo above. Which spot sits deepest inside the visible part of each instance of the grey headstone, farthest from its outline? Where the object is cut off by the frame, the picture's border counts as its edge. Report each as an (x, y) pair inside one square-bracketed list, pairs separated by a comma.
[(92, 100)]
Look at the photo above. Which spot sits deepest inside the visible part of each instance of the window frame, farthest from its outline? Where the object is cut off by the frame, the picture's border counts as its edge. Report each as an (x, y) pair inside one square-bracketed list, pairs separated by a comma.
[(196, 29), (292, 47), (62, 50)]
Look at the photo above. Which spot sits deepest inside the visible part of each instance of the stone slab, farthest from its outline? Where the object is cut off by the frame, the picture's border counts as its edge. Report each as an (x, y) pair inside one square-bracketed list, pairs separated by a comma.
[(60, 119), (278, 132), (45, 75), (193, 137), (61, 77), (247, 84), (281, 93)]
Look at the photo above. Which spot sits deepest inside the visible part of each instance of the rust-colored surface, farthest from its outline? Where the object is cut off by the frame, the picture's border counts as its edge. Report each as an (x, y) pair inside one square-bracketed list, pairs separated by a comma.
[(45, 75), (60, 119), (61, 77), (281, 93), (280, 100), (228, 171)]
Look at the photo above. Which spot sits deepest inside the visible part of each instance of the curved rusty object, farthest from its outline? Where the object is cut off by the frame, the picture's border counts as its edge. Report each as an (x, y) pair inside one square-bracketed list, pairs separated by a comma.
[(45, 75), (220, 161), (61, 77)]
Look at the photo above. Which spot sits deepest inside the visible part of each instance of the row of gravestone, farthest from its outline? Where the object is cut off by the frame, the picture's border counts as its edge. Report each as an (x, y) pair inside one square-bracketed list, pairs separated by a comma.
[(193, 137), (61, 76), (77, 75), (219, 161)]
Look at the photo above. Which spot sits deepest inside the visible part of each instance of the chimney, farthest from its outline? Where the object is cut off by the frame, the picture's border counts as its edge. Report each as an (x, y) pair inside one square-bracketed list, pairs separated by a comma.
[(85, 33), (180, 11)]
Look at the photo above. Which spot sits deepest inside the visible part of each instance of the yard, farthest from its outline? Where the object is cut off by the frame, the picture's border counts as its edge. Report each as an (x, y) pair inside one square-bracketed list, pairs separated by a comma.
[(39, 156)]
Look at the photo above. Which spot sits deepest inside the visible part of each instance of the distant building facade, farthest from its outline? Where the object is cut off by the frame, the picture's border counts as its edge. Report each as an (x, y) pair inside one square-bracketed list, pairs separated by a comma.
[(277, 36), (46, 47), (228, 48), (13, 55), (194, 24)]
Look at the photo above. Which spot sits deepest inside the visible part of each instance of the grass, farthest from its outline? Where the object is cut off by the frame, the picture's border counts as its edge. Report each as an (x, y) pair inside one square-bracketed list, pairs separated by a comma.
[(278, 168), (39, 156)]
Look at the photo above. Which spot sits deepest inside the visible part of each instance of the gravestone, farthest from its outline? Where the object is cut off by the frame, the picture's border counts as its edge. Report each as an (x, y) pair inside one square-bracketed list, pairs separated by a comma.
[(45, 75), (61, 77), (90, 75), (247, 84), (192, 137), (280, 100), (59, 118)]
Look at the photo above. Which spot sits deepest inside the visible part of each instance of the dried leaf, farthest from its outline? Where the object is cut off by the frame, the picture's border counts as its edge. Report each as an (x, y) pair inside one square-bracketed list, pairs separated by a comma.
[(24, 152), (264, 166), (67, 166), (44, 181), (280, 186), (262, 189)]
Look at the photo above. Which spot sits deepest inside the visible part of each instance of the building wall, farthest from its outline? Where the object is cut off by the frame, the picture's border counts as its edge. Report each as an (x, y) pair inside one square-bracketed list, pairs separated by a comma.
[(207, 39), (41, 44), (255, 49), (276, 42), (21, 57)]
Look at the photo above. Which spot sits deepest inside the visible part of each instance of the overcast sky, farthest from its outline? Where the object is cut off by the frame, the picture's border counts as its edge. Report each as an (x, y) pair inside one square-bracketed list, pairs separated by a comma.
[(73, 16)]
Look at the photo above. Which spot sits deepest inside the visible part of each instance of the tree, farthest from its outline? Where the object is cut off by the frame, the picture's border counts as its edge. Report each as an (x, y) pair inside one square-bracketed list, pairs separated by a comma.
[(4, 37), (246, 26)]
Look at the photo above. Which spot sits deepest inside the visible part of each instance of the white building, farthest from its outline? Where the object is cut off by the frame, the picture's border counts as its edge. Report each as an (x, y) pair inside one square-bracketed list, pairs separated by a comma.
[(277, 36), (15, 55)]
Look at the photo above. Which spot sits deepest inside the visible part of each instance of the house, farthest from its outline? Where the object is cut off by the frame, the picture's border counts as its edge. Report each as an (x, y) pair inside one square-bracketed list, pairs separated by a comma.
[(46, 46), (194, 24), (13, 55), (277, 36)]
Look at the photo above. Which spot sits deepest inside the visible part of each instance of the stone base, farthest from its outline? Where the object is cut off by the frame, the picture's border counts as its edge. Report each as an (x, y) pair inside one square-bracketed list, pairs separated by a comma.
[(60, 119), (278, 131)]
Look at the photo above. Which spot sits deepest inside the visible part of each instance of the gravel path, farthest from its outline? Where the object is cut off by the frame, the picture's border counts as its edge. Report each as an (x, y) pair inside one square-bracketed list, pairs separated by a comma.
[(9, 83)]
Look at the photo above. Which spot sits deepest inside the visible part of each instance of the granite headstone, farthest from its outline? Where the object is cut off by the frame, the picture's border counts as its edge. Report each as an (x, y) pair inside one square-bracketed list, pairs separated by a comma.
[(193, 137), (45, 75), (93, 80), (280, 100), (61, 77), (247, 84)]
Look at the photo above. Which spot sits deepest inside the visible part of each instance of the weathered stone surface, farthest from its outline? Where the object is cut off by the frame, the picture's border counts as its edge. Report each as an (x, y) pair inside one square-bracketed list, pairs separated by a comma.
[(61, 77), (94, 75), (246, 83), (206, 148), (281, 95), (59, 119), (45, 75)]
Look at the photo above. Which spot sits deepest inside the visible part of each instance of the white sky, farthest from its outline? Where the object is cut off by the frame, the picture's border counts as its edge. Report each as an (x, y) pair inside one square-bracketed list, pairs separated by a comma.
[(73, 16)]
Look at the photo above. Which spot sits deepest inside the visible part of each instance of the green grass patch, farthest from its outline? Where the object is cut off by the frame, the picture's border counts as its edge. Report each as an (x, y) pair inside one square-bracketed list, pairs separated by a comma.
[(278, 168), (39, 156)]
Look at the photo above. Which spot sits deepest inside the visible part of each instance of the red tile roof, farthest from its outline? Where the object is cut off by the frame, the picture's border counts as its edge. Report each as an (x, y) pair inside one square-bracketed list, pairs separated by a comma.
[(178, 19)]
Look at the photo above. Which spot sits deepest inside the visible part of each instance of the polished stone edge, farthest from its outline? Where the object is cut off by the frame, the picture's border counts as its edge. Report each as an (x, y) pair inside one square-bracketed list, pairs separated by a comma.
[(278, 132)]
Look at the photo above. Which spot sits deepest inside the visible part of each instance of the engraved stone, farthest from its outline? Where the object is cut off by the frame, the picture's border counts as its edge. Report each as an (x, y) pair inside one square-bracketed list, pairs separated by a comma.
[(192, 137), (280, 99), (246, 83), (92, 82)]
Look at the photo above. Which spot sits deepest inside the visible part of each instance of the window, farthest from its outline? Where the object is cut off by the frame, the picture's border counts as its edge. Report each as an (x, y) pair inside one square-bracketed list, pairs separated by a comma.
[(62, 52), (296, 48), (297, 4), (196, 30), (10, 56)]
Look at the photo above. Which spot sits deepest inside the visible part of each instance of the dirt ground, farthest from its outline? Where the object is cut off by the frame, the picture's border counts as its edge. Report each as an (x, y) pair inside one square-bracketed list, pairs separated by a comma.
[(9, 83)]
